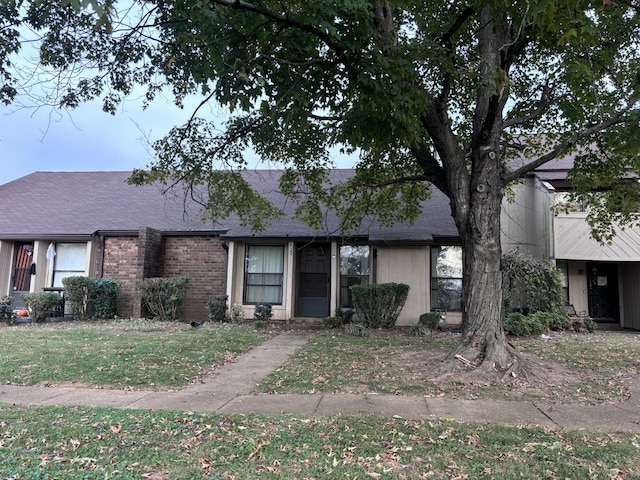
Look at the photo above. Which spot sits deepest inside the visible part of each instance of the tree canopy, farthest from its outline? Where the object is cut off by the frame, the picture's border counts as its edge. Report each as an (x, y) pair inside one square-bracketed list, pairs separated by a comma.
[(467, 96)]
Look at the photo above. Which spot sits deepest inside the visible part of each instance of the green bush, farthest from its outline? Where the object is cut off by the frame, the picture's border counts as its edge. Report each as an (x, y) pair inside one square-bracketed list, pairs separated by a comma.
[(164, 297), (560, 321), (430, 320), (516, 324), (263, 312), (345, 314), (78, 291), (530, 284), (379, 305), (217, 307), (356, 330), (583, 324), (540, 322), (237, 313), (6, 309), (332, 322), (41, 305), (91, 297), (104, 300)]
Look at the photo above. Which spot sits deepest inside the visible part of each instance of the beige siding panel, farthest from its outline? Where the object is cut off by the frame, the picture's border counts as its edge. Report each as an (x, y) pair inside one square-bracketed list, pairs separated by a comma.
[(408, 265), (6, 258), (573, 242), (526, 219), (630, 286), (578, 295), (236, 286)]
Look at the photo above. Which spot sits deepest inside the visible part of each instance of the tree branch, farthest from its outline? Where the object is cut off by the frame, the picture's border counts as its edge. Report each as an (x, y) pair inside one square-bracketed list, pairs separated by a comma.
[(281, 18), (543, 103), (569, 143)]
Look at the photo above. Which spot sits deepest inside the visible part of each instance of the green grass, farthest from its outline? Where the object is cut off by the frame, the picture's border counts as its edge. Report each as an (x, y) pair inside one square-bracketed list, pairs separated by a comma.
[(335, 362), (98, 443), (119, 353), (394, 362)]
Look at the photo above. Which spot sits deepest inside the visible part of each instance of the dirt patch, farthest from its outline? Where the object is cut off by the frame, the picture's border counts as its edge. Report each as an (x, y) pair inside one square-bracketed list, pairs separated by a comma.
[(546, 381)]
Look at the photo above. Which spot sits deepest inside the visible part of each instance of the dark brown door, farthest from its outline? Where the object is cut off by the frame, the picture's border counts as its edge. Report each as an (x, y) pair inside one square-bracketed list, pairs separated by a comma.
[(21, 279), (604, 302), (313, 280)]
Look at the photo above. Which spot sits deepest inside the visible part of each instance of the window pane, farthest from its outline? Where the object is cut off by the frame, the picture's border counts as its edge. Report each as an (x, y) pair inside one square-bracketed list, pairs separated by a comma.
[(71, 256), (447, 261), (446, 278), (354, 260), (264, 267), (354, 270)]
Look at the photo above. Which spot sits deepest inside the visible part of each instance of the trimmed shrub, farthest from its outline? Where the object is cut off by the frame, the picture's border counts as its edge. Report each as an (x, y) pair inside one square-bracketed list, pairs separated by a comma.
[(91, 297), (380, 304), (164, 297), (430, 320), (263, 312), (356, 330), (104, 298), (78, 291), (217, 307), (41, 305)]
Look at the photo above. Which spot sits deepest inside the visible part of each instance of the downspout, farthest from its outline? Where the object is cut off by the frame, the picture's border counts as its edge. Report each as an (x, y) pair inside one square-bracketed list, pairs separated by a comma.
[(101, 259)]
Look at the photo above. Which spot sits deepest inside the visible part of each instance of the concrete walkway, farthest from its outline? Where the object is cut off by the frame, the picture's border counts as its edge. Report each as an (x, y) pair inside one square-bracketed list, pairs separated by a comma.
[(228, 390)]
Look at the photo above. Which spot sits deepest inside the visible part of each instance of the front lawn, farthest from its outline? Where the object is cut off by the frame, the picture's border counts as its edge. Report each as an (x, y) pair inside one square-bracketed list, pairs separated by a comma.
[(569, 367), (138, 354), (99, 443)]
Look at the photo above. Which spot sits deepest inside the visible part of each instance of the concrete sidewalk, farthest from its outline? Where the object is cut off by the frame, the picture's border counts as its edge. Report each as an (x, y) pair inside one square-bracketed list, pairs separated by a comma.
[(228, 390)]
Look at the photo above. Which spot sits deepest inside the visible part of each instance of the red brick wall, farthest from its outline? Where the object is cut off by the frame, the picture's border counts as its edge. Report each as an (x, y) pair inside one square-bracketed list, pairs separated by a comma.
[(120, 263), (204, 261)]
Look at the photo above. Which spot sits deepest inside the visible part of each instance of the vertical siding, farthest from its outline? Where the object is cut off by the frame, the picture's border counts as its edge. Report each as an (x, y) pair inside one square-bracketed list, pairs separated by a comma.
[(629, 288), (280, 312), (408, 265), (6, 257), (526, 219), (578, 295)]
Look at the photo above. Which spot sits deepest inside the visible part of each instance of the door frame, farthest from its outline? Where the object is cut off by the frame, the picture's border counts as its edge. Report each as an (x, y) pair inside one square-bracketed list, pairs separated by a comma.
[(300, 247)]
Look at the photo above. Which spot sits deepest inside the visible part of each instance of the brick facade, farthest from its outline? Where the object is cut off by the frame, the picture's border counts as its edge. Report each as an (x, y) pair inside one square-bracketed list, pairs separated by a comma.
[(152, 254), (204, 261), (120, 263)]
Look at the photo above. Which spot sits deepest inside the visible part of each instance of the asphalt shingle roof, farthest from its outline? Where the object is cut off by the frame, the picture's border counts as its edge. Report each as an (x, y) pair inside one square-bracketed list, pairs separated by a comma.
[(56, 204)]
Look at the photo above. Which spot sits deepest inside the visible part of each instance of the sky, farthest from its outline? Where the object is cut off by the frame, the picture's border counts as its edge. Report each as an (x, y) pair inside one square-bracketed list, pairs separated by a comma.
[(84, 139)]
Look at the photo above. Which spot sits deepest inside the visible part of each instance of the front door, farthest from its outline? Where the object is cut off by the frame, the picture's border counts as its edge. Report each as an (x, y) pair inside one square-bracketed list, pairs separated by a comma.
[(313, 280), (21, 279), (602, 280)]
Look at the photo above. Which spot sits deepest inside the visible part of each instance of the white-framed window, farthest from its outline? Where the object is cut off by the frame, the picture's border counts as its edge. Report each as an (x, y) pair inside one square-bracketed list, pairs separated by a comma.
[(263, 274), (354, 270), (70, 260), (446, 278)]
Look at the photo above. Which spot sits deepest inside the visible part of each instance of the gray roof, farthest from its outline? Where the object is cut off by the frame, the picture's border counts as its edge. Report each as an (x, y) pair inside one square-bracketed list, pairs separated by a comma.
[(46, 205)]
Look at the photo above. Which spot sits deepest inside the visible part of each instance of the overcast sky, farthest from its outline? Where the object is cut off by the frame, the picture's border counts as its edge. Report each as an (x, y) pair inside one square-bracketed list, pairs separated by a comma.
[(87, 139), (83, 139)]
